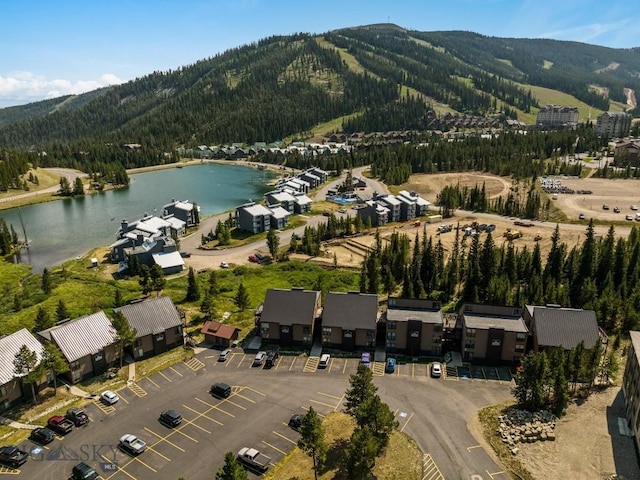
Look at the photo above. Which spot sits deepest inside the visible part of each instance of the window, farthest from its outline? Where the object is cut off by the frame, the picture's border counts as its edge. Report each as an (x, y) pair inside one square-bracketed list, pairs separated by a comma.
[(391, 325), (521, 337), (391, 335), (470, 344), (3, 391), (326, 330), (74, 365), (370, 334), (519, 348), (264, 326), (391, 345), (471, 332)]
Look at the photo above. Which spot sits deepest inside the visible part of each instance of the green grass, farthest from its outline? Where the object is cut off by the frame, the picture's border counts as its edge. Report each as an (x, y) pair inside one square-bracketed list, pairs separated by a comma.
[(349, 59), (547, 65), (333, 125), (547, 96)]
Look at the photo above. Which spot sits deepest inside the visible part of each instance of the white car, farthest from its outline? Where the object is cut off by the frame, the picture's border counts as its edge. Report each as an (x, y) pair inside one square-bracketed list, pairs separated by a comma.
[(634, 207), (109, 397), (436, 370), (224, 265)]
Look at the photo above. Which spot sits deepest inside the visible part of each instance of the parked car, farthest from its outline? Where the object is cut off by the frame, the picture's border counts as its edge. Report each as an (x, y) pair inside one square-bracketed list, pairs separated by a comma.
[(582, 216), (12, 456), (270, 361), (259, 256), (324, 360), (254, 459), (490, 228), (253, 258), (224, 265), (258, 360), (77, 416), (365, 359), (60, 424), (224, 355), (82, 471), (390, 366), (629, 217), (436, 370), (342, 210), (605, 207), (296, 420), (634, 207), (109, 397), (42, 435), (221, 390), (616, 209), (132, 444), (170, 418)]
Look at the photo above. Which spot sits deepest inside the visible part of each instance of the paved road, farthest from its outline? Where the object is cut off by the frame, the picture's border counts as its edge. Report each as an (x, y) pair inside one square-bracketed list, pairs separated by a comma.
[(434, 412), (66, 172)]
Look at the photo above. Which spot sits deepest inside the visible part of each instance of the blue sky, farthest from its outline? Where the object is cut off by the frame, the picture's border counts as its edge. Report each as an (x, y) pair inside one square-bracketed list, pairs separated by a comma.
[(50, 48)]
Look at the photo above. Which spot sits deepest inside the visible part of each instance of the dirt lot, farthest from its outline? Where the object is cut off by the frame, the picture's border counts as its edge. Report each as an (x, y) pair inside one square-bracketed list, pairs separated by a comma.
[(616, 193), (429, 186)]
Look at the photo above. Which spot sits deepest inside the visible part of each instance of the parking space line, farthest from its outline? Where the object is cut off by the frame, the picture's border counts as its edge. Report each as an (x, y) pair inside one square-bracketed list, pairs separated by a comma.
[(200, 414), (215, 407), (317, 413), (188, 422), (118, 468), (137, 390), (293, 363), (330, 365), (165, 377), (312, 365), (122, 397), (335, 409), (502, 472), (233, 403), (284, 438), (242, 360), (246, 398), (230, 361), (430, 470), (149, 467), (253, 390), (171, 368), (407, 422), (378, 369), (150, 447), (275, 448), (413, 370), (8, 471), (330, 396), (278, 363), (194, 364), (322, 403), (149, 378), (344, 369), (163, 439), (106, 409)]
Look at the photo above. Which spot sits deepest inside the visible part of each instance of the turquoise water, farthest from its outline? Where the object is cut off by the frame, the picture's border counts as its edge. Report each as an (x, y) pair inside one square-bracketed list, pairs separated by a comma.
[(60, 230)]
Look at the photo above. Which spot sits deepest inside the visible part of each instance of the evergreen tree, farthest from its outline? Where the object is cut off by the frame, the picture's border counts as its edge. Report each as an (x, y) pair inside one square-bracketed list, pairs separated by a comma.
[(125, 335), (193, 290), (43, 320), (361, 454), (54, 363), (242, 297), (312, 439), (157, 279), (361, 389), (118, 301), (25, 367), (213, 283), (231, 470), (46, 281), (61, 311), (273, 243)]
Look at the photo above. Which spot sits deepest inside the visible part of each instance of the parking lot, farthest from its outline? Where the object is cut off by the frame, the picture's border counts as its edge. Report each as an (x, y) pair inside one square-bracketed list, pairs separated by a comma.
[(256, 415)]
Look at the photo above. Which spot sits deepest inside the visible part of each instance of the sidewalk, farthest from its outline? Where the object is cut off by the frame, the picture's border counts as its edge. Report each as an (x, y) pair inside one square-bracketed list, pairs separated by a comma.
[(14, 424), (132, 372)]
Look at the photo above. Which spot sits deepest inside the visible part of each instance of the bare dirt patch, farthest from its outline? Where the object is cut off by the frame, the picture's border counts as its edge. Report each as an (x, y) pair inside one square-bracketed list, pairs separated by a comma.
[(430, 185)]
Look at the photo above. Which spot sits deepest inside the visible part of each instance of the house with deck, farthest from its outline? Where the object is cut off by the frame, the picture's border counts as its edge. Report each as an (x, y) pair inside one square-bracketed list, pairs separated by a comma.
[(288, 316), (413, 326), (350, 320)]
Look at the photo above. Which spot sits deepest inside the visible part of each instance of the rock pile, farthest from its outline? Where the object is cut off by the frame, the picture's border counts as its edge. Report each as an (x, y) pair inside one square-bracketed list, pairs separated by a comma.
[(522, 426)]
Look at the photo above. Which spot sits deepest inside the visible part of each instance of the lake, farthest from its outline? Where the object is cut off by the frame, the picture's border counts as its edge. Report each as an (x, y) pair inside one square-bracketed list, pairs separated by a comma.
[(64, 229)]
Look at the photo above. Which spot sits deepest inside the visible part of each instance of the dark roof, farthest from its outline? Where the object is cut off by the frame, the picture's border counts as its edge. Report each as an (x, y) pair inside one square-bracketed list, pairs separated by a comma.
[(288, 307), (217, 329), (350, 310), (406, 314), (151, 316), (565, 327), (508, 323)]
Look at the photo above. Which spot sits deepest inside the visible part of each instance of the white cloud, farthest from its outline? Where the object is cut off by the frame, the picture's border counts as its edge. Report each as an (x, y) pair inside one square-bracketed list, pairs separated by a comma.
[(23, 87)]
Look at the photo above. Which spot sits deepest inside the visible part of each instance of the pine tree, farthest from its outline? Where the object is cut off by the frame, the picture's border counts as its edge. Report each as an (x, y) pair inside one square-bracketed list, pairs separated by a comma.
[(193, 290), (26, 368), (125, 335), (43, 320), (242, 297), (361, 389), (273, 243), (61, 311), (231, 470), (46, 281), (54, 363), (312, 439)]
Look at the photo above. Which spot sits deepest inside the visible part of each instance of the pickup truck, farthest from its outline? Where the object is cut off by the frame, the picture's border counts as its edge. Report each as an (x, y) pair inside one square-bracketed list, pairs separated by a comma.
[(60, 425), (77, 416), (133, 444), (254, 459)]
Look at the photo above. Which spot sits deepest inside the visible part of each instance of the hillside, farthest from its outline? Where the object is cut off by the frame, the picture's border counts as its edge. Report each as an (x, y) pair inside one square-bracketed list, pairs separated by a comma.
[(369, 78)]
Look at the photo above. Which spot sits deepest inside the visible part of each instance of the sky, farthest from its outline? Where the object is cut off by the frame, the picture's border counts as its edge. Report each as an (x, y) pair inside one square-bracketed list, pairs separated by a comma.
[(50, 48)]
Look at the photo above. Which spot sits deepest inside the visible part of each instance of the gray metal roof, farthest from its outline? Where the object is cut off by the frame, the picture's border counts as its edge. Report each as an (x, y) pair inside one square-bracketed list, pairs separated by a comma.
[(151, 316), (288, 307), (565, 327), (635, 341), (9, 346), (406, 314), (485, 322), (350, 310), (84, 336)]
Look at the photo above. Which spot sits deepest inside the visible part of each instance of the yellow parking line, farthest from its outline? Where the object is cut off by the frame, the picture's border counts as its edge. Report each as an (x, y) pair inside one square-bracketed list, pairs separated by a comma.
[(147, 378), (278, 363), (330, 396), (407, 422), (317, 413), (323, 404), (162, 438), (293, 363), (254, 391), (176, 371), (233, 403), (150, 447), (330, 365), (413, 369), (118, 468), (202, 415), (241, 360), (123, 399), (242, 396), (344, 369), (150, 468), (275, 448), (165, 377), (335, 409), (284, 438), (179, 430), (215, 406)]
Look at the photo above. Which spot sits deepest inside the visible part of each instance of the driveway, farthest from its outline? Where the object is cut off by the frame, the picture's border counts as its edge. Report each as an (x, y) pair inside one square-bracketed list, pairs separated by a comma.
[(434, 412)]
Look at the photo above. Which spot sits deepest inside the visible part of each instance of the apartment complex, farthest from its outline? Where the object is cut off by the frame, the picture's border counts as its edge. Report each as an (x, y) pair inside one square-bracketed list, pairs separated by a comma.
[(557, 116), (613, 124), (631, 387)]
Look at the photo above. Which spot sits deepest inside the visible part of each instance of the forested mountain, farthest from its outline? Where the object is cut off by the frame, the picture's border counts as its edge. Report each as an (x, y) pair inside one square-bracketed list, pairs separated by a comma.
[(376, 78)]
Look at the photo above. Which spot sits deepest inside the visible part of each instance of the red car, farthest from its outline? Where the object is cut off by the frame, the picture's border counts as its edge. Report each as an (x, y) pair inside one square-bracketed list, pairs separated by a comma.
[(253, 258)]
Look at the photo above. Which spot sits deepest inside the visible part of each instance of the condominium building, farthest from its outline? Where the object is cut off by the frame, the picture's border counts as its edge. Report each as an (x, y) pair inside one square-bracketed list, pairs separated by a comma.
[(631, 387), (613, 124), (557, 116)]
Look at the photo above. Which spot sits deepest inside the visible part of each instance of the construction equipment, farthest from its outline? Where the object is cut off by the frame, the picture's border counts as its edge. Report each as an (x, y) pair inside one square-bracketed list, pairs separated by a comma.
[(512, 234)]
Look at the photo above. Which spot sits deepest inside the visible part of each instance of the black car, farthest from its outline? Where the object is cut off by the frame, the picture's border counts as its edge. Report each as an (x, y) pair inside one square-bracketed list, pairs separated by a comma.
[(77, 416), (296, 420), (12, 456), (42, 435), (170, 418), (272, 356), (82, 471)]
